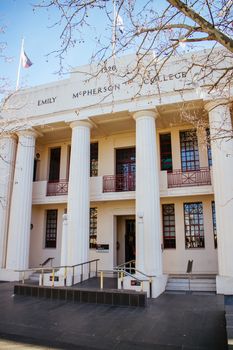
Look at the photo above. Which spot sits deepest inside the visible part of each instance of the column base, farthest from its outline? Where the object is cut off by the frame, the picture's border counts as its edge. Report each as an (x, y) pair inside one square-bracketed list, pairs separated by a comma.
[(224, 285), (11, 275), (158, 285)]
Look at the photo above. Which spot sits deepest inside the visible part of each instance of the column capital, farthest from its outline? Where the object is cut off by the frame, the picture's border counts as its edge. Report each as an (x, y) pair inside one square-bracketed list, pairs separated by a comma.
[(77, 123), (28, 132), (8, 135), (210, 105), (146, 113)]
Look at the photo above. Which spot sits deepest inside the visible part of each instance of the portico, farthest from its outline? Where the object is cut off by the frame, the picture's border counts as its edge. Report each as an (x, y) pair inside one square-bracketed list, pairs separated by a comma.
[(84, 182)]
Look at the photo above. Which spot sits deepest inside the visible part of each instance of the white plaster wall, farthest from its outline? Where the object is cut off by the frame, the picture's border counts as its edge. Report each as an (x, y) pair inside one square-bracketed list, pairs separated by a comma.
[(107, 146), (204, 259), (111, 226), (107, 231), (38, 252)]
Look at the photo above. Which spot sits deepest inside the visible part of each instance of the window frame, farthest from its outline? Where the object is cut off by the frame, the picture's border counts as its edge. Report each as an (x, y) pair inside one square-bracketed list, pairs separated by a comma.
[(197, 226), (189, 150), (171, 227), (93, 226), (213, 210), (47, 223), (163, 152), (94, 162)]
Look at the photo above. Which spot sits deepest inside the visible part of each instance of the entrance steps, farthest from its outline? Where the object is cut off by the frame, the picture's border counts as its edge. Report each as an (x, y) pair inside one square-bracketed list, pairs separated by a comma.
[(200, 283), (77, 294)]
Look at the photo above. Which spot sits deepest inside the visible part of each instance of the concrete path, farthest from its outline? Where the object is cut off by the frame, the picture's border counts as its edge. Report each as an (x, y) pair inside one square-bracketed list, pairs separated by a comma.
[(170, 322)]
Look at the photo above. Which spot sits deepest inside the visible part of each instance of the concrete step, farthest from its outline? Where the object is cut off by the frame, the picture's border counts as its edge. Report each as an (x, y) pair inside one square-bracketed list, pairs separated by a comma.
[(193, 284)]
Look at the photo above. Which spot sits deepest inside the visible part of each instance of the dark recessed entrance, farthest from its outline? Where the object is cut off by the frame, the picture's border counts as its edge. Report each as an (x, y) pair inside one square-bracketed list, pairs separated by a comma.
[(130, 240)]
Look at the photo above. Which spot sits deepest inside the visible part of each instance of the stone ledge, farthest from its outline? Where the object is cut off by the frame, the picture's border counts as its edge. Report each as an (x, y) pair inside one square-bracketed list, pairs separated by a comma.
[(107, 296)]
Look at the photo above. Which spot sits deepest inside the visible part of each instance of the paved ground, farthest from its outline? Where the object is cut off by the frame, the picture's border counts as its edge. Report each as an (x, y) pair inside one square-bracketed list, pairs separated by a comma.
[(170, 322)]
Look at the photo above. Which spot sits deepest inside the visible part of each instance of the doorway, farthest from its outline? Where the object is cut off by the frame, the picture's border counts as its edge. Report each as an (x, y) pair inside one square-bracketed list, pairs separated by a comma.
[(129, 240), (125, 239)]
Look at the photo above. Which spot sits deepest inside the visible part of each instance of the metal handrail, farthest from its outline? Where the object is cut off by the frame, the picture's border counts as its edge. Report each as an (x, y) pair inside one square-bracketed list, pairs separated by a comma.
[(121, 274), (57, 268), (126, 263)]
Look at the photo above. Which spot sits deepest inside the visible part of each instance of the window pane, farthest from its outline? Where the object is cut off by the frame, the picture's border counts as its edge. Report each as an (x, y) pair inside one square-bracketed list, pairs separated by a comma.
[(189, 150), (94, 159), (166, 152), (169, 238), (51, 229), (194, 229), (214, 224), (93, 228), (54, 167)]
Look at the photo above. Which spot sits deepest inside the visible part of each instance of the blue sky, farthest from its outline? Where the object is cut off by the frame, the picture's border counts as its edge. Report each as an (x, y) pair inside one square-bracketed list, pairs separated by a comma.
[(40, 39)]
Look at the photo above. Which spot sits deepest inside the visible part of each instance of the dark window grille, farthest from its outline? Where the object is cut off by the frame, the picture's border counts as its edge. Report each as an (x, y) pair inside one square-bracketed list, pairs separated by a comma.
[(214, 224), (194, 225), (54, 167), (94, 159), (169, 234), (189, 150), (51, 228), (209, 152), (166, 152), (93, 228)]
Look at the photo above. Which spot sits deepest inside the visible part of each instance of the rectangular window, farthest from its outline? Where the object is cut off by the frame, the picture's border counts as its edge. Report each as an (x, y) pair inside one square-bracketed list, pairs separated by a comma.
[(94, 159), (194, 225), (189, 150), (169, 234), (166, 152), (54, 166), (51, 228), (209, 152), (214, 225), (93, 228)]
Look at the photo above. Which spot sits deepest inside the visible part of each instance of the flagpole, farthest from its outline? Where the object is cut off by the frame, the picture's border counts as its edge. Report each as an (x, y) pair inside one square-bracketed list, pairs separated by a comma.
[(114, 30), (19, 66)]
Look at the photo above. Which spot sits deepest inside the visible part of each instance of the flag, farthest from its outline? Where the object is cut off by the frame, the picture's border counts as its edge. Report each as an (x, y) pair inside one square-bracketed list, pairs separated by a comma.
[(25, 61), (120, 23)]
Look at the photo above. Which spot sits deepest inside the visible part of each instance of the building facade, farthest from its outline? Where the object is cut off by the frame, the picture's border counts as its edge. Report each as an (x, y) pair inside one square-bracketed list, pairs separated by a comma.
[(92, 169)]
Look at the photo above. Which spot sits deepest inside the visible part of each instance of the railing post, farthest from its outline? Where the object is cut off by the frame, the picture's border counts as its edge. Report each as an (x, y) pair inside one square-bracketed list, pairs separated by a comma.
[(101, 279), (89, 272), (53, 278), (122, 280), (72, 275), (81, 273), (23, 277), (150, 287), (42, 277), (130, 268), (141, 286), (65, 276), (96, 268)]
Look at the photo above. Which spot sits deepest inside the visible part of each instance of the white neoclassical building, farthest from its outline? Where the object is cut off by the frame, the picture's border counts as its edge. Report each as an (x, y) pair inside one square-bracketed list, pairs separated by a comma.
[(92, 167)]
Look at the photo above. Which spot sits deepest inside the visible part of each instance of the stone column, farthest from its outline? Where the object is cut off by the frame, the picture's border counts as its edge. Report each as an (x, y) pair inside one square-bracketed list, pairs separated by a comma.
[(79, 194), (7, 162), (148, 248), (21, 203), (222, 158)]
